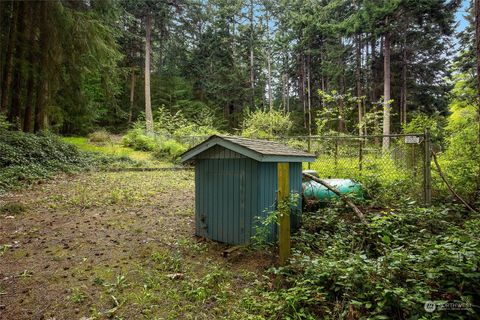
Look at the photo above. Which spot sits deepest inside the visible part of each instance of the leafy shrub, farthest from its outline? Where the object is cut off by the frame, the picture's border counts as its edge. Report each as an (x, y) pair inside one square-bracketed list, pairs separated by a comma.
[(384, 269), (178, 126), (461, 160), (4, 124), (138, 140), (27, 158), (421, 121), (100, 137), (169, 149), (166, 122), (266, 124)]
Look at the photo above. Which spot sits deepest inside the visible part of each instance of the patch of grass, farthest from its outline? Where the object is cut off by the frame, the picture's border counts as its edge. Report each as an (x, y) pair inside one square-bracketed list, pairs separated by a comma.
[(109, 148), (100, 137), (118, 283), (4, 249), (29, 158), (77, 296), (13, 208), (167, 261)]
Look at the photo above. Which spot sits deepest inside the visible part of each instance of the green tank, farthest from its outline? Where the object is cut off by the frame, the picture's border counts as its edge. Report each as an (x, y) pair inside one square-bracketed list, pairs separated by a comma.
[(315, 192)]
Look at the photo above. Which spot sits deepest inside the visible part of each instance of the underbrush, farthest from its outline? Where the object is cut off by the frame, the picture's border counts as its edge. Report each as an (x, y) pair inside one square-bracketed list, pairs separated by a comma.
[(101, 137), (27, 158), (387, 268), (164, 146), (107, 150)]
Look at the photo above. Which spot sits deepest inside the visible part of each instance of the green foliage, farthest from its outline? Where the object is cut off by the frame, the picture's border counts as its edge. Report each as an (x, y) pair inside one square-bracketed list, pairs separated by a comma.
[(383, 178), (266, 124), (203, 123), (27, 158), (266, 224), (461, 160), (162, 148), (111, 150), (169, 149), (138, 140), (386, 268), (77, 296), (174, 133), (421, 121), (263, 229), (166, 261), (327, 118), (101, 137), (4, 124)]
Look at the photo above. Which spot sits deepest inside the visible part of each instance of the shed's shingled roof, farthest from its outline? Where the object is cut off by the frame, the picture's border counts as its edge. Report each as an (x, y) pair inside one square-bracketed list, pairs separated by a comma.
[(267, 147), (260, 150)]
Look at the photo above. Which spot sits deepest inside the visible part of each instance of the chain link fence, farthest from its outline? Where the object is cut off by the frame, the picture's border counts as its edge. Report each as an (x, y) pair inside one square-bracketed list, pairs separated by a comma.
[(403, 168)]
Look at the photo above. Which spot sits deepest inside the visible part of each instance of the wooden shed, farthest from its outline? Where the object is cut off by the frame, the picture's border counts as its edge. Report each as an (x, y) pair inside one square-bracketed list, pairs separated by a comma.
[(236, 184)]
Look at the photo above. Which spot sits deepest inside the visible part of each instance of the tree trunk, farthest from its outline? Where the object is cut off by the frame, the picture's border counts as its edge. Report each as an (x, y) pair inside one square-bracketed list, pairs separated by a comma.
[(9, 63), (148, 102), (358, 80), (341, 103), (386, 91), (43, 77), (4, 7), (269, 63), (477, 36), (404, 100), (252, 73), (15, 108), (341, 110), (132, 95), (322, 78), (373, 73), (270, 94), (27, 119), (309, 75), (303, 92)]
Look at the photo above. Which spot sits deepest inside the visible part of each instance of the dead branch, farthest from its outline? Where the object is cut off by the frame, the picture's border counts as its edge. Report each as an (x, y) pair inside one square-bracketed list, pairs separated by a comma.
[(449, 185), (350, 203)]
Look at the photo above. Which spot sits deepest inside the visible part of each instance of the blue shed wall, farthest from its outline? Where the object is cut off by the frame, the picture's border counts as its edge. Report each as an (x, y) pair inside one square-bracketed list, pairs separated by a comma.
[(231, 193)]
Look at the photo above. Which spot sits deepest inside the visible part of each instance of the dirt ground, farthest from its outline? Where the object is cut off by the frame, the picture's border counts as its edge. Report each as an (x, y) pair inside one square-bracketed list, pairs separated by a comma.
[(116, 246)]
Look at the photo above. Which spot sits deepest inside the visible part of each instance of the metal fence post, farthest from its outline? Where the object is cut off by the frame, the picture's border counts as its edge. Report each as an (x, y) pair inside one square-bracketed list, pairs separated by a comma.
[(427, 178), (309, 148), (360, 156), (336, 157)]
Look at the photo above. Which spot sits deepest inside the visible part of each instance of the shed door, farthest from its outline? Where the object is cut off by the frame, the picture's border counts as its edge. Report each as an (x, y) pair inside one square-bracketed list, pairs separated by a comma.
[(224, 200)]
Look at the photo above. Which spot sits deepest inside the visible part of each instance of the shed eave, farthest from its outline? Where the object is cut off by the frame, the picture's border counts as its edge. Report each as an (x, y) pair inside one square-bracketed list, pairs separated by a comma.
[(215, 140), (191, 154), (280, 158)]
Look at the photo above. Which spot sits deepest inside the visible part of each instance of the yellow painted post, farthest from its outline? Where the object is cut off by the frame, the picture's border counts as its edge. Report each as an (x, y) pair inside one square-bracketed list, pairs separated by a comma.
[(284, 213)]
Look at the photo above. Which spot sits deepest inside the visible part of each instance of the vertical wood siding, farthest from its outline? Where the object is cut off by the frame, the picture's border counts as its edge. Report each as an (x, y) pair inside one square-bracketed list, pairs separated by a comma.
[(230, 193), (295, 184)]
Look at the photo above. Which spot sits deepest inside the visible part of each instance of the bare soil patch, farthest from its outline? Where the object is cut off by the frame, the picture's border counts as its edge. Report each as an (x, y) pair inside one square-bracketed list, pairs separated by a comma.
[(116, 245)]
